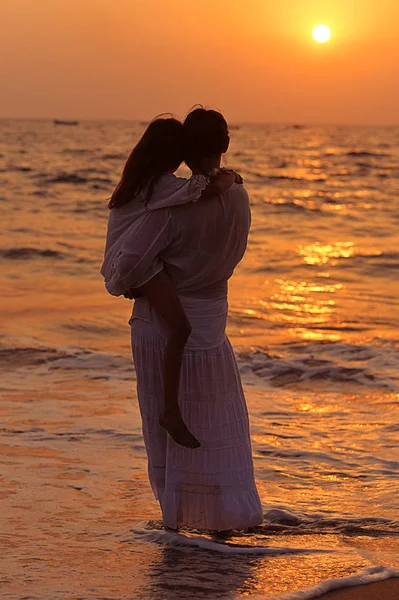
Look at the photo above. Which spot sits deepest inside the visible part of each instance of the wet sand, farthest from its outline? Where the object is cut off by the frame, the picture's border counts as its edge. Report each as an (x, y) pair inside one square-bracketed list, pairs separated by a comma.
[(381, 590)]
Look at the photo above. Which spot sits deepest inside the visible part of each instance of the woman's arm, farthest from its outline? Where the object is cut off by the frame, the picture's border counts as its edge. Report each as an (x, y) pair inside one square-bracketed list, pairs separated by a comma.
[(162, 296)]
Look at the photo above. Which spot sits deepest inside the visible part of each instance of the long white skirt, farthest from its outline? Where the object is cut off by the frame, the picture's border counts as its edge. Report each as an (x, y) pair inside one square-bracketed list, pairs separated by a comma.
[(211, 487)]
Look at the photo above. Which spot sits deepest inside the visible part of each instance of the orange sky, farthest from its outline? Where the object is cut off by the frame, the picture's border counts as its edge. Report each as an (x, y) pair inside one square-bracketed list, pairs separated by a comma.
[(253, 59)]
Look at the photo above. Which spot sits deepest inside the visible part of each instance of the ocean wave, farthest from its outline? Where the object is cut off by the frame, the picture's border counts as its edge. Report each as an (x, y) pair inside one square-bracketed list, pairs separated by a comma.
[(309, 179), (281, 520), (309, 204), (366, 153), (323, 363), (76, 151), (21, 169), (372, 165), (318, 365), (66, 178), (366, 576), (29, 253), (339, 153), (378, 262), (92, 327), (115, 156), (21, 230), (96, 365), (25, 356), (93, 170), (135, 440), (352, 559), (74, 178), (197, 541)]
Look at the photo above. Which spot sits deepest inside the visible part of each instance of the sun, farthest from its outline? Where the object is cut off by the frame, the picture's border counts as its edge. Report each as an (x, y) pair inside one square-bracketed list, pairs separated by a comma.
[(321, 34)]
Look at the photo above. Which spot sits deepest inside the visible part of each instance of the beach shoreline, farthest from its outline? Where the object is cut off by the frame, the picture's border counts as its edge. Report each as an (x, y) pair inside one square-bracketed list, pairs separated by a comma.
[(84, 465), (388, 589)]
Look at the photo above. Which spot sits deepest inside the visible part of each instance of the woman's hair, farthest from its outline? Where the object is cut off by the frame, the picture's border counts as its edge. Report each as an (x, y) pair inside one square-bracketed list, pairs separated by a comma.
[(205, 134), (161, 149)]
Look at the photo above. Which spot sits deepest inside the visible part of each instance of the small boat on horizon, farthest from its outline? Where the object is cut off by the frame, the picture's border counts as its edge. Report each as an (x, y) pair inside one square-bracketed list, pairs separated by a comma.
[(61, 122)]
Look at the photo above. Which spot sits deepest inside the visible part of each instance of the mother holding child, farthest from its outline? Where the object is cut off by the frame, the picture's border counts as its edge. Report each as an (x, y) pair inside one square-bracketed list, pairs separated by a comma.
[(172, 244)]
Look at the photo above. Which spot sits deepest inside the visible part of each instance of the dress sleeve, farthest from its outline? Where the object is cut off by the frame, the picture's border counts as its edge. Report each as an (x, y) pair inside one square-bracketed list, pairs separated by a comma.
[(138, 259), (177, 190)]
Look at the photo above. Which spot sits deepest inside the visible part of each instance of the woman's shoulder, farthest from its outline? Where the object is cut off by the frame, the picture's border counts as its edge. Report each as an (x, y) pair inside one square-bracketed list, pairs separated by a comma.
[(169, 182), (236, 193), (173, 191)]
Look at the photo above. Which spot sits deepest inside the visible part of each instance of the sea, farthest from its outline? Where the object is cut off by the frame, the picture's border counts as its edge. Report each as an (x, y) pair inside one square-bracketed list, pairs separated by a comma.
[(314, 321)]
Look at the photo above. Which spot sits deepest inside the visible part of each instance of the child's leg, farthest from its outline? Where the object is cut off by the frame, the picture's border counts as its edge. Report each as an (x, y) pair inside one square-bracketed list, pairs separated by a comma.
[(162, 295)]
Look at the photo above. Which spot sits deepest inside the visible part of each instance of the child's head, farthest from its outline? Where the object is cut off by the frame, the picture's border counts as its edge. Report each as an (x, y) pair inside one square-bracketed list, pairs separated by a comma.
[(162, 144), (160, 150)]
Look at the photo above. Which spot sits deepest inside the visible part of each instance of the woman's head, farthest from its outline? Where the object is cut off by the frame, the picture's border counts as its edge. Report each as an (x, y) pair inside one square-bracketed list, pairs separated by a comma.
[(160, 150), (206, 136)]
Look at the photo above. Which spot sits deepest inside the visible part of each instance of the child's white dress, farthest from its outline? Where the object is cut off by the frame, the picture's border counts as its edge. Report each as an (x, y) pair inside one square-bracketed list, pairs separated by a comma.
[(169, 191)]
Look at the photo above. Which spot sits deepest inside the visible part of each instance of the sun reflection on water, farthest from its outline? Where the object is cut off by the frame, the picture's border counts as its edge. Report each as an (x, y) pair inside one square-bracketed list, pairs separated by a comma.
[(296, 297), (316, 336), (305, 306), (321, 254)]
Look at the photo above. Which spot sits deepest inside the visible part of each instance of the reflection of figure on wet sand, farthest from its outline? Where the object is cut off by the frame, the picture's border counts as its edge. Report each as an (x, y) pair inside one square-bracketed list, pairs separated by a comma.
[(201, 574)]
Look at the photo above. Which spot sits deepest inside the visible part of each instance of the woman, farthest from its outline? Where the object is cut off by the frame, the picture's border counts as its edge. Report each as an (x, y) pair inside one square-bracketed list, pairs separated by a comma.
[(199, 245)]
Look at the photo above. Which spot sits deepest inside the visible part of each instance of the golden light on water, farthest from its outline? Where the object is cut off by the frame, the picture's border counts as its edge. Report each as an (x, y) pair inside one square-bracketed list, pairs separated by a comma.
[(321, 34), (321, 254), (299, 304)]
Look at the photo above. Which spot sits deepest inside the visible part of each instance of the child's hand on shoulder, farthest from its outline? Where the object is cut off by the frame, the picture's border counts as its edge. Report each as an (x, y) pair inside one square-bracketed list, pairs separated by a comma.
[(237, 176), (220, 181)]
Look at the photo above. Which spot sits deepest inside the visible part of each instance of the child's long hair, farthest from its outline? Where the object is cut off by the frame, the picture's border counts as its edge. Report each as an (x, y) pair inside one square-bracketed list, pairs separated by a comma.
[(161, 149)]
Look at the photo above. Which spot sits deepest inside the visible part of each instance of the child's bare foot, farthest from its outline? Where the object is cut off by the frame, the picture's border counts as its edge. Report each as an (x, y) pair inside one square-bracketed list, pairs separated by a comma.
[(177, 429)]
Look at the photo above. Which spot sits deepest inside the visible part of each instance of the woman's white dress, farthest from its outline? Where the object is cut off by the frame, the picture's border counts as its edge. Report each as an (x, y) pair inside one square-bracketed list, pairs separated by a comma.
[(211, 487)]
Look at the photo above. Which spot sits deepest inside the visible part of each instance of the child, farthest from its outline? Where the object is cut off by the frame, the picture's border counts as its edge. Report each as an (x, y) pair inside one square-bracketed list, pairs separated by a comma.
[(147, 184)]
